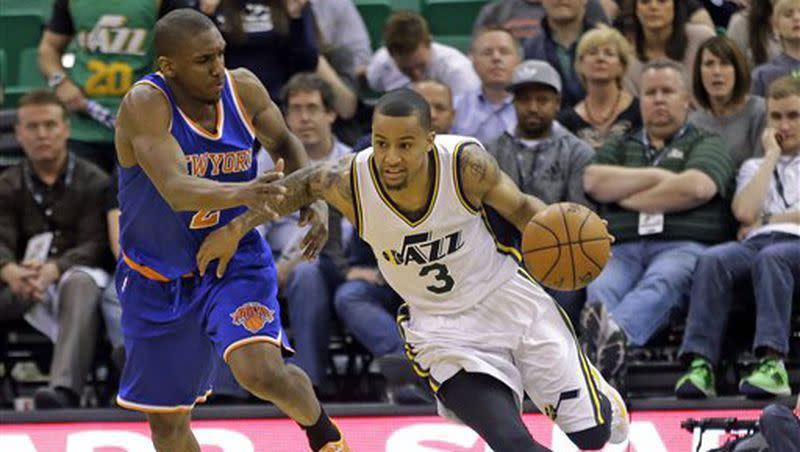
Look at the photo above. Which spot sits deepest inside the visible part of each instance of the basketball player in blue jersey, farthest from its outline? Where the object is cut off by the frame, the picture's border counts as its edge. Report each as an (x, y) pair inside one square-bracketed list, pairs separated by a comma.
[(476, 325), (185, 143)]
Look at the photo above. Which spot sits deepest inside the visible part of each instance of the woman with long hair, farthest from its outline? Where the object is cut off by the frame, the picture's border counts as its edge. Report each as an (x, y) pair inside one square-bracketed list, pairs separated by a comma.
[(721, 83), (661, 31), (602, 59), (751, 29)]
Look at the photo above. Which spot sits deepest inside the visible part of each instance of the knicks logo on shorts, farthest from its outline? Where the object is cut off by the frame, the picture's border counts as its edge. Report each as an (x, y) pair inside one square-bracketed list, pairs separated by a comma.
[(252, 316)]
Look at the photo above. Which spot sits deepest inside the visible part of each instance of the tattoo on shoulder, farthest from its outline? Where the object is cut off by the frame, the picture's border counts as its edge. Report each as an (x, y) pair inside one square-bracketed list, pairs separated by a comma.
[(476, 163)]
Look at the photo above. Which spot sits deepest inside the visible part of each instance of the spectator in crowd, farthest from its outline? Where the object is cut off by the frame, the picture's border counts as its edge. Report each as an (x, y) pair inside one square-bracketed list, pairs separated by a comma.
[(603, 55), (664, 190), (661, 31), (523, 18), (440, 99), (485, 113), (410, 55), (752, 30), (366, 306), (542, 157), (786, 20), (52, 243), (626, 19), (104, 68), (344, 31), (767, 204), (110, 307), (273, 39), (721, 83), (780, 427), (563, 25), (308, 286)]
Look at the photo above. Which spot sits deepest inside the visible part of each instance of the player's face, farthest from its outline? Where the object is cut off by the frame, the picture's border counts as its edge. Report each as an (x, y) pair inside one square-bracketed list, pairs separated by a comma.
[(784, 116), (199, 66), (307, 117), (42, 132), (400, 146), (441, 103), (536, 106)]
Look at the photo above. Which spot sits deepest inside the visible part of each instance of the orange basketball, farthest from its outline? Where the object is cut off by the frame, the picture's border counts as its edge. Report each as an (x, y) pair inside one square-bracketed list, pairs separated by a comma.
[(566, 246)]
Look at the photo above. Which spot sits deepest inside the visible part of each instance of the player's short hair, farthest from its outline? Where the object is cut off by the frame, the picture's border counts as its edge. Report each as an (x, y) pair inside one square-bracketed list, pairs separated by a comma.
[(40, 97), (404, 32), (726, 50), (405, 102), (308, 82), (784, 87), (172, 31)]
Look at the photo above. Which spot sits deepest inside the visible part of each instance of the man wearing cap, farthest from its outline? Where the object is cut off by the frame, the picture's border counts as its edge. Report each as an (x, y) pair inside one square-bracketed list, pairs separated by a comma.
[(542, 157), (665, 191)]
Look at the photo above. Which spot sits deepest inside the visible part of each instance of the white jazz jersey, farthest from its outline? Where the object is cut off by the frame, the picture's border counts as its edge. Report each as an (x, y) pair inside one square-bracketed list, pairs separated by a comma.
[(446, 261)]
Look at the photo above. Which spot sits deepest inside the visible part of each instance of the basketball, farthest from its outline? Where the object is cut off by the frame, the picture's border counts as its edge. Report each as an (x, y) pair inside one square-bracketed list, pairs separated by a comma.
[(566, 246)]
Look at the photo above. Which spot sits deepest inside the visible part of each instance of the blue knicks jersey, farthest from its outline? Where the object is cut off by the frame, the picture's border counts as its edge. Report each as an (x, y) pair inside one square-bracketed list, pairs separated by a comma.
[(151, 233)]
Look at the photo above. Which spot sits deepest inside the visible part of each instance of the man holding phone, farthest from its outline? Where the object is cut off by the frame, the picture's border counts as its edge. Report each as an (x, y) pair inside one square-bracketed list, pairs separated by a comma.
[(767, 205)]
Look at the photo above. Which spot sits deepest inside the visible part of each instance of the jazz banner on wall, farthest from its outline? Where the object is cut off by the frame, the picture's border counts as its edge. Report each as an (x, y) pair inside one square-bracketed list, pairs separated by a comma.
[(651, 431)]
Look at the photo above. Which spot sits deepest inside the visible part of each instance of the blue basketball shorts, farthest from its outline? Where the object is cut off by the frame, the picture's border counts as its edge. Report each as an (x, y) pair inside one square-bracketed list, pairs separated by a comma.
[(172, 329)]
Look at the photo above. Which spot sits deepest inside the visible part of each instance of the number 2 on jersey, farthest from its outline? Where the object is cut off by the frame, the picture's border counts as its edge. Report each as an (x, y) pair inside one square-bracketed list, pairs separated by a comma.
[(442, 276), (204, 219)]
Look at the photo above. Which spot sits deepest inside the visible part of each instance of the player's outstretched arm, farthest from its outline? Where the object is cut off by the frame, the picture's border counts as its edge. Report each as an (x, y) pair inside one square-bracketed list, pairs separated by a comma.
[(142, 137), (485, 183), (329, 181)]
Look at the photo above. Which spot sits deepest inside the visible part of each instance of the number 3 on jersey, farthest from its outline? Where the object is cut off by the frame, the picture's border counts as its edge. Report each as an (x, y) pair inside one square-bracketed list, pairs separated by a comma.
[(444, 281), (204, 219)]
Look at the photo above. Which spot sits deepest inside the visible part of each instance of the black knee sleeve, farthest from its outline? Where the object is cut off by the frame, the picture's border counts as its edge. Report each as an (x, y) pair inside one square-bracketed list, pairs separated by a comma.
[(488, 406), (595, 437)]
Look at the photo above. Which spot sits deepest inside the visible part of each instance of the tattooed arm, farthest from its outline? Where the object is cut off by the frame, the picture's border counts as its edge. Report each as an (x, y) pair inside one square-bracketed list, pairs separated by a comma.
[(327, 181), (485, 183)]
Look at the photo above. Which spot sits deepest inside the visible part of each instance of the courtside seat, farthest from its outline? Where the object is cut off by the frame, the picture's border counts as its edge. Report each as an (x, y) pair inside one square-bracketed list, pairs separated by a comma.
[(17, 33), (451, 17)]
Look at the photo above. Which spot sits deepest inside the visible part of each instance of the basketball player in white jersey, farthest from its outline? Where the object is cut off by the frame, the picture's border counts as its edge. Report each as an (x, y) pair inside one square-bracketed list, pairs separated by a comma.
[(476, 325)]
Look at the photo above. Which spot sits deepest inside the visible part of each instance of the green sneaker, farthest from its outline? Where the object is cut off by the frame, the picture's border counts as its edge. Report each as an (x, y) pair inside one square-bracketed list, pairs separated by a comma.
[(768, 379), (698, 382)]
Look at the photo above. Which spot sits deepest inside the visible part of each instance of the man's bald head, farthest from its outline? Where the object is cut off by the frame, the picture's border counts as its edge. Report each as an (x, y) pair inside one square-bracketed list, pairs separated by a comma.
[(440, 98), (177, 28)]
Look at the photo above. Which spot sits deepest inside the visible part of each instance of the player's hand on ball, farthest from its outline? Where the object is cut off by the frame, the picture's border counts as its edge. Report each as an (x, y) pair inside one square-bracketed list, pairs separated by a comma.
[(220, 244), (315, 215), (261, 194)]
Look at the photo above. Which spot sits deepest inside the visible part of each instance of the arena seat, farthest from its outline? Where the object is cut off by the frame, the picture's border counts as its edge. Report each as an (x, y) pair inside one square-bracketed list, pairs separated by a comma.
[(41, 8), (374, 13), (451, 17), (17, 33)]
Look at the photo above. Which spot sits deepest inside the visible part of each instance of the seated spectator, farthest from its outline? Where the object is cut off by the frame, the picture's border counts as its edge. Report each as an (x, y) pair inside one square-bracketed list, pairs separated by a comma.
[(52, 243), (786, 20), (410, 55), (721, 83), (523, 18), (664, 190), (440, 99), (485, 113), (752, 30), (767, 204), (564, 24), (626, 18), (366, 306), (308, 286), (661, 30), (542, 157), (608, 108), (780, 427), (274, 40), (110, 307)]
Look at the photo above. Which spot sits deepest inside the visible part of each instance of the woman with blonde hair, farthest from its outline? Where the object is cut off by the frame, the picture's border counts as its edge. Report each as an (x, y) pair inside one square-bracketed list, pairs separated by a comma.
[(601, 62), (720, 84)]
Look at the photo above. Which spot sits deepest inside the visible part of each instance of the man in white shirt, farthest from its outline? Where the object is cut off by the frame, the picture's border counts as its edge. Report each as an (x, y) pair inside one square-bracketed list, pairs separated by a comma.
[(410, 55), (767, 204)]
